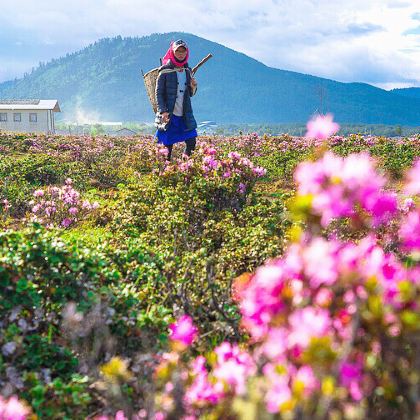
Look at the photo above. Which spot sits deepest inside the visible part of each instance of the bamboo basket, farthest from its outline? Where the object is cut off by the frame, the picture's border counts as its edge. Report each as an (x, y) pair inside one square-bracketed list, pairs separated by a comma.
[(151, 76)]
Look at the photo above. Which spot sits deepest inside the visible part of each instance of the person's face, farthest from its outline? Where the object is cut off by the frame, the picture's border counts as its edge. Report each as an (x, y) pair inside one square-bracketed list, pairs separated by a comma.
[(180, 53)]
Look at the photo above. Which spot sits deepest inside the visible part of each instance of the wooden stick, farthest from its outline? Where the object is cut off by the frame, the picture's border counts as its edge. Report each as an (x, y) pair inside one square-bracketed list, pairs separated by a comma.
[(207, 57)]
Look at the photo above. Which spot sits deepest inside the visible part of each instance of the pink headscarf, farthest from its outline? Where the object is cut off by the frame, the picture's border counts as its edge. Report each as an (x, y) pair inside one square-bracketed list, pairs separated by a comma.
[(170, 56)]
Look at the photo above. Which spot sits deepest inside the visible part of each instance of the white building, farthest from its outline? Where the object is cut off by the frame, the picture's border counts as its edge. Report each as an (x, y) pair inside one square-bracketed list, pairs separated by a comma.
[(28, 115)]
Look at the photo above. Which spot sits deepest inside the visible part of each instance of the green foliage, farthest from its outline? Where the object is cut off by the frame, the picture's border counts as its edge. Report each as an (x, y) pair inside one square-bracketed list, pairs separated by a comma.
[(163, 242)]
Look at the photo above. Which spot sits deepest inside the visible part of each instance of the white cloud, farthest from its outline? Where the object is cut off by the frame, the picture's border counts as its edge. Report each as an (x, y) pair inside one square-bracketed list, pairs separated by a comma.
[(354, 40)]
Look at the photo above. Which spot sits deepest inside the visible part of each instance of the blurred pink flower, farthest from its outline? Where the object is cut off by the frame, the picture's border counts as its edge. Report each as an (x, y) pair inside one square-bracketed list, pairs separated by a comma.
[(120, 415), (321, 127), (410, 231), (351, 378), (305, 376), (183, 331), (13, 409), (306, 323), (413, 179)]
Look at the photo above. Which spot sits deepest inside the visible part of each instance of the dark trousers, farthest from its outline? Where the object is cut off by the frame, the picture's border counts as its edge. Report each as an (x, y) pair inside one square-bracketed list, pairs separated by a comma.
[(189, 147)]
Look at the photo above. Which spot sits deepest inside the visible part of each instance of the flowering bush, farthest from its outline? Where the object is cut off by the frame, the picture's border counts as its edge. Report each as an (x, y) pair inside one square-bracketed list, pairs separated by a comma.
[(60, 207), (327, 321), (328, 328)]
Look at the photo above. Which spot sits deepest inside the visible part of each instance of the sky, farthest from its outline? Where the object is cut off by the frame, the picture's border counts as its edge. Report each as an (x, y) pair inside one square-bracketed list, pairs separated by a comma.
[(371, 41)]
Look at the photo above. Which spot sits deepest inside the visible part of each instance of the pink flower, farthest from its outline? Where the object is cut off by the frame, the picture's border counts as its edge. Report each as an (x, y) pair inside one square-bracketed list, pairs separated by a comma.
[(413, 179), (410, 231), (339, 187), (305, 377), (320, 250), (241, 188), (259, 171), (324, 297), (38, 193), (233, 367), (183, 331), (351, 378), (120, 415), (73, 211), (66, 222), (234, 155), (275, 344), (307, 323), (279, 391), (321, 127), (36, 208), (13, 409)]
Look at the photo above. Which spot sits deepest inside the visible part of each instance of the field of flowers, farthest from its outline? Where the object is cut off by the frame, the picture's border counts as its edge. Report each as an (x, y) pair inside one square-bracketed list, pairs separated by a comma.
[(262, 278)]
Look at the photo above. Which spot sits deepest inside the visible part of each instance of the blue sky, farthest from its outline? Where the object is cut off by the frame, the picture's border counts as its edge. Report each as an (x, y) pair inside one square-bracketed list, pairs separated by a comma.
[(372, 41)]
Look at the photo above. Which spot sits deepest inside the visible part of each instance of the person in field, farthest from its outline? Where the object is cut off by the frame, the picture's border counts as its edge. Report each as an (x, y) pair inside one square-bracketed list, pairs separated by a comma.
[(174, 87)]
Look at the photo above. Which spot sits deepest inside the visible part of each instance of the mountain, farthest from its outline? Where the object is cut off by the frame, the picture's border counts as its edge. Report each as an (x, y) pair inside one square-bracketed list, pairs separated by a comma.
[(103, 81), (408, 92)]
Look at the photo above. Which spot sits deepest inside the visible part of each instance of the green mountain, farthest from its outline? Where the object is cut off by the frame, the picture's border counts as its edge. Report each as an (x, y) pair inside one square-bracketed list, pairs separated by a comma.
[(103, 81), (408, 92)]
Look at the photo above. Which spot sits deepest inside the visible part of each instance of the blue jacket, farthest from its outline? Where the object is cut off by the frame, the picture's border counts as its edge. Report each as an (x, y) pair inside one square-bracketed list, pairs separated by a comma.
[(166, 91)]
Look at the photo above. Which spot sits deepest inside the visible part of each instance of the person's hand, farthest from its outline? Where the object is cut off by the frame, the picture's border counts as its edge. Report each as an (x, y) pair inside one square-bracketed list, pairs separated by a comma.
[(165, 117), (193, 83)]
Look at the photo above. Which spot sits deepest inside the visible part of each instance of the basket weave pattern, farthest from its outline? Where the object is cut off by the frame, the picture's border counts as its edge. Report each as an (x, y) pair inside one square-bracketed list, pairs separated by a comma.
[(150, 82)]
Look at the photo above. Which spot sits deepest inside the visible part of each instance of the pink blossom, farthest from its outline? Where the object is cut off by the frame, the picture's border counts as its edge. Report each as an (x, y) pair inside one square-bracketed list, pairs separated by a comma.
[(233, 367), (261, 298), (183, 331), (306, 323), (259, 171), (321, 127), (279, 391), (351, 378), (305, 376), (13, 409), (36, 208), (275, 344), (413, 179), (410, 231), (38, 193), (324, 297), (66, 222), (320, 250), (338, 187), (73, 211), (234, 155), (242, 188)]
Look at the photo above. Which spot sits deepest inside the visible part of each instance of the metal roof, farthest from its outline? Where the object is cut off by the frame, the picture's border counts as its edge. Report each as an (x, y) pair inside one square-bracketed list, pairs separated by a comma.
[(29, 104)]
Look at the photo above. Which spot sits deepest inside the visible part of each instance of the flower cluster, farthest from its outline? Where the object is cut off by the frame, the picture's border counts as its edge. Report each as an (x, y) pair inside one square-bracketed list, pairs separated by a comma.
[(345, 187), (60, 206), (322, 317)]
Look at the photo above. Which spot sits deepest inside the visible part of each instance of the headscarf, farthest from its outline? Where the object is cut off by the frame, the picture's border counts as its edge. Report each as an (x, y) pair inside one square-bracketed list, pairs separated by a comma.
[(170, 56)]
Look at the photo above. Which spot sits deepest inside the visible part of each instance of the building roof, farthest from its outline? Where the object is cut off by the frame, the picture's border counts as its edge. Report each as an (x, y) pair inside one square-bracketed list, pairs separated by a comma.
[(30, 104), (126, 129)]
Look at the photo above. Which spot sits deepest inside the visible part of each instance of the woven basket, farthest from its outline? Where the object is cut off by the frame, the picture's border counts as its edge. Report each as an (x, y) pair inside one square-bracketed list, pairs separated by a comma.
[(150, 82)]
